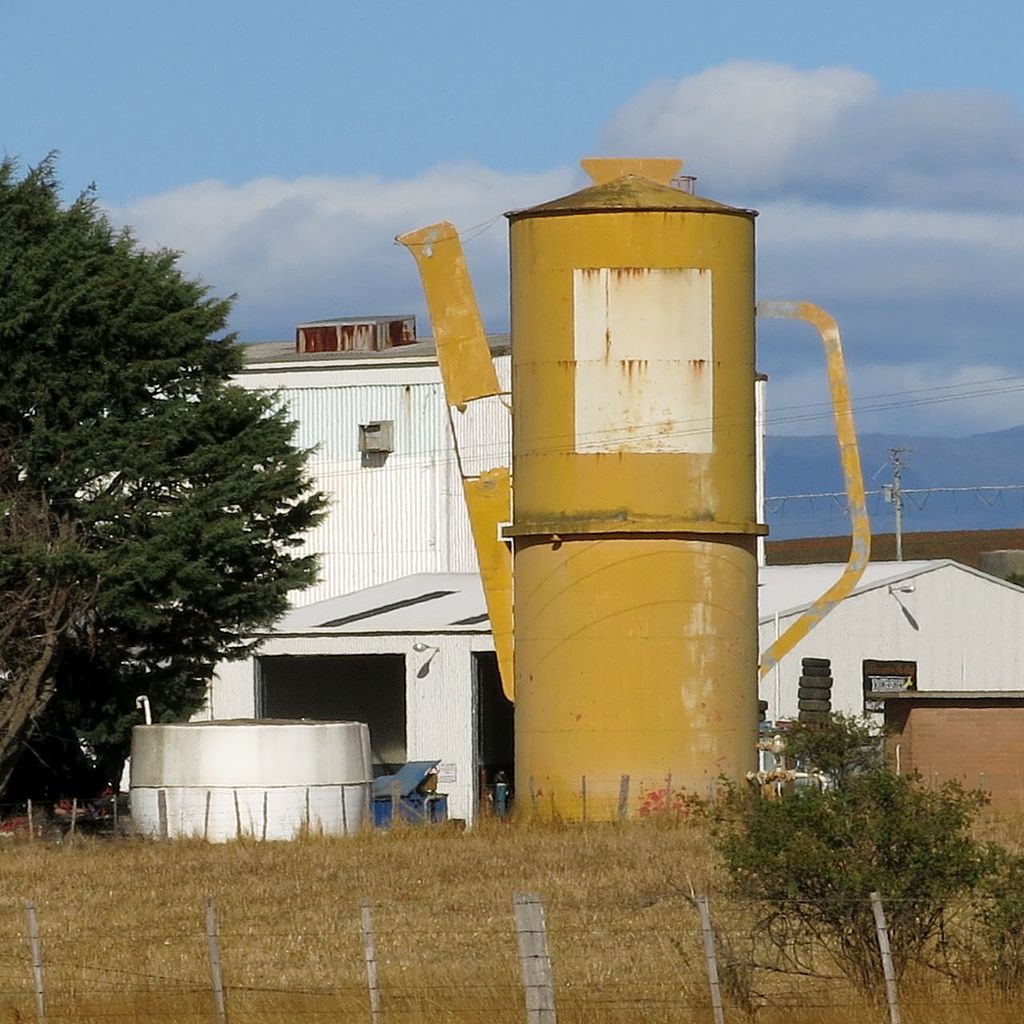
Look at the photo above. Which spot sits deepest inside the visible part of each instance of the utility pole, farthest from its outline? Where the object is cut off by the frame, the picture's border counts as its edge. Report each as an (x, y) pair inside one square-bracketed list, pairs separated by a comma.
[(894, 495)]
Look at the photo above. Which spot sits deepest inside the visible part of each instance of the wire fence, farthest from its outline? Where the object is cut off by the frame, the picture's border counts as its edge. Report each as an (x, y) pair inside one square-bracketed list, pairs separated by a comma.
[(677, 957), (589, 798), (52, 819)]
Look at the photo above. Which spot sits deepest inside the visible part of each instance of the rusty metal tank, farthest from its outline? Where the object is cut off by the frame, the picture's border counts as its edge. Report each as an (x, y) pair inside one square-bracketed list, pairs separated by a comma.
[(634, 521)]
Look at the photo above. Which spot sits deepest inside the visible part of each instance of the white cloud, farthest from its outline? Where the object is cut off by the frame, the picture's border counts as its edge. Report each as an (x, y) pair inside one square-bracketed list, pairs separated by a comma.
[(740, 123), (800, 223), (753, 130), (902, 215), (909, 398), (317, 247)]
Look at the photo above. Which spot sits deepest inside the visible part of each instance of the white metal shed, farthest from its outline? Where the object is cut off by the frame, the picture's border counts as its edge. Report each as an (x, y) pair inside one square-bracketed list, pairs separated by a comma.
[(412, 658), (960, 628), (381, 439)]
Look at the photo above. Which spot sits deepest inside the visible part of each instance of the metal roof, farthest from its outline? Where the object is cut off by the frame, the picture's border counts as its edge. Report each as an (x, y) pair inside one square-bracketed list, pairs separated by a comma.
[(957, 695), (631, 192), (377, 319), (785, 589), (454, 602), (264, 355), (426, 602)]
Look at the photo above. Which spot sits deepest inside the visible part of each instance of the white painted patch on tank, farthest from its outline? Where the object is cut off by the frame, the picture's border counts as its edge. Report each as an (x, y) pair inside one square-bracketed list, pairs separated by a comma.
[(643, 353)]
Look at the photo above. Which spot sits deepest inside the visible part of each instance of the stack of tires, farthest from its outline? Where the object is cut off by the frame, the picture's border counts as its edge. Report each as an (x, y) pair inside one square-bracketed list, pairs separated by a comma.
[(814, 698)]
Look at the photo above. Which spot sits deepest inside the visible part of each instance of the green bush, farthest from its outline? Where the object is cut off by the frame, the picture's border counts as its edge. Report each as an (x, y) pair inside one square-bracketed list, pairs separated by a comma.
[(1002, 919), (814, 858), (842, 747)]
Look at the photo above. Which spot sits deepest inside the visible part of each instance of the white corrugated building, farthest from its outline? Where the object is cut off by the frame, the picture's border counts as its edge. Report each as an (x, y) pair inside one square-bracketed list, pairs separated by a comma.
[(941, 625), (412, 658), (397, 509), (397, 563)]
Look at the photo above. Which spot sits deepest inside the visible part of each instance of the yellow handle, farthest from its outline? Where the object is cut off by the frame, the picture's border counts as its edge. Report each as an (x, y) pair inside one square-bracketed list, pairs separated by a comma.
[(846, 435)]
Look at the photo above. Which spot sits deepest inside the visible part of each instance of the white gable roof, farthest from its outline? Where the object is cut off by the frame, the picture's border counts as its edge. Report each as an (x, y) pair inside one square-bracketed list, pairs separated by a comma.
[(784, 589), (454, 602), (426, 602)]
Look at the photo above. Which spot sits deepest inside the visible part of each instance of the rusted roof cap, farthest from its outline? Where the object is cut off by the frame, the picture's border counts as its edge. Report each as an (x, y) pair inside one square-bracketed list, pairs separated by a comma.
[(629, 192)]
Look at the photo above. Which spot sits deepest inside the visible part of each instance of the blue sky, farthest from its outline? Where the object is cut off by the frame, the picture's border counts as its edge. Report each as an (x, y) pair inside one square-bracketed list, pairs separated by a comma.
[(281, 148)]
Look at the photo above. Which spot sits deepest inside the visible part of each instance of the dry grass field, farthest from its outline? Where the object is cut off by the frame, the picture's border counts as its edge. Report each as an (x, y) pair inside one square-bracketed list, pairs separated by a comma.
[(123, 931)]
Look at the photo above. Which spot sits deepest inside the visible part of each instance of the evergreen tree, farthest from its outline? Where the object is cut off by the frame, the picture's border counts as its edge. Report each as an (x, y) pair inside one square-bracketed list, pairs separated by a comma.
[(169, 504)]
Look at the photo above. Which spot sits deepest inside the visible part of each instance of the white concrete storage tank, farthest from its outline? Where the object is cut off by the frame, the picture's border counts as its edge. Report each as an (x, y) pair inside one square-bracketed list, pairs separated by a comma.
[(262, 779)]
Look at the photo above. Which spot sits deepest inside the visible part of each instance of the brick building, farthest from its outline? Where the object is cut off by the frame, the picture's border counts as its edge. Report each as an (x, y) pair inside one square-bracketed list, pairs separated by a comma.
[(976, 739)]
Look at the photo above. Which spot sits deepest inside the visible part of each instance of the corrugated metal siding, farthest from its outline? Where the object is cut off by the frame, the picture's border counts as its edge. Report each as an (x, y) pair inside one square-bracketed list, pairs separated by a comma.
[(441, 719), (406, 515), (318, 339), (962, 630), (232, 693), (484, 430)]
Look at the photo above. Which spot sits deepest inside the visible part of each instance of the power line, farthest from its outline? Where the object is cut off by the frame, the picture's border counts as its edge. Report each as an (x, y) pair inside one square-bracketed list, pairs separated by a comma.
[(499, 450), (893, 493), (988, 493)]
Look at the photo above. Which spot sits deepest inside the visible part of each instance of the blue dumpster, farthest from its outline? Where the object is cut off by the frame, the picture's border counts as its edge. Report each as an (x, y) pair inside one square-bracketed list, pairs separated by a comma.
[(412, 787)]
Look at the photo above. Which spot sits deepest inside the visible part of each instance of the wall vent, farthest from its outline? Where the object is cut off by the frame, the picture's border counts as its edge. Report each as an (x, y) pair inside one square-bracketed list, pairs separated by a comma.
[(377, 437)]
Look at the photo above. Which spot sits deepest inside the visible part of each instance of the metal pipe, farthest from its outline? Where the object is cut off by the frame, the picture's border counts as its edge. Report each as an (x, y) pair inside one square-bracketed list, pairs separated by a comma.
[(142, 704)]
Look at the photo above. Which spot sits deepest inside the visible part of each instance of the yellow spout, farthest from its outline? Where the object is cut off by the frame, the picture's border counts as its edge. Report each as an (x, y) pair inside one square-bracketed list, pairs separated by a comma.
[(605, 169)]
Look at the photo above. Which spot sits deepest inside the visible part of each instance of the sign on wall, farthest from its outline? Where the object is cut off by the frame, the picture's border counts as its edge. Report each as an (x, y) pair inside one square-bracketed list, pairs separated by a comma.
[(886, 677)]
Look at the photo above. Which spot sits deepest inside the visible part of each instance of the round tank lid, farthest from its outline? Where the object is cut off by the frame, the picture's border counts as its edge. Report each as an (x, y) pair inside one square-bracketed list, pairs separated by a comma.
[(242, 723), (638, 184)]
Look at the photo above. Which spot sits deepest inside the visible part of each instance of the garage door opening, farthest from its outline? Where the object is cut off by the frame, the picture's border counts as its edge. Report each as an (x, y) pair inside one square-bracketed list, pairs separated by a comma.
[(366, 688), (495, 724)]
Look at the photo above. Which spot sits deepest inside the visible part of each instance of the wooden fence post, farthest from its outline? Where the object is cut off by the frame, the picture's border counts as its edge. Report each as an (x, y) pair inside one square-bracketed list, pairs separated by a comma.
[(36, 951), (887, 969), (215, 975), (623, 798), (370, 958), (161, 812), (396, 802), (709, 952), (534, 959)]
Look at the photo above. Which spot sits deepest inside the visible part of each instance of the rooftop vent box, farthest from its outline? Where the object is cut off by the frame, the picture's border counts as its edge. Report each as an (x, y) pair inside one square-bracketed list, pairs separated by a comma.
[(355, 334), (377, 437)]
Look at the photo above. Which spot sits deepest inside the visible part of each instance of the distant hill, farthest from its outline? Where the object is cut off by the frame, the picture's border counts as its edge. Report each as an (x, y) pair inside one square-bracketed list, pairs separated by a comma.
[(810, 465)]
